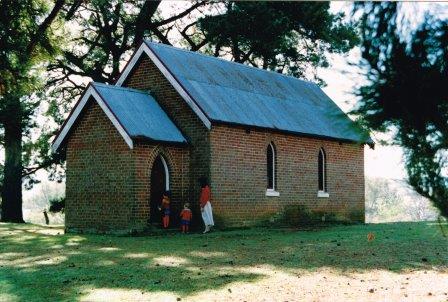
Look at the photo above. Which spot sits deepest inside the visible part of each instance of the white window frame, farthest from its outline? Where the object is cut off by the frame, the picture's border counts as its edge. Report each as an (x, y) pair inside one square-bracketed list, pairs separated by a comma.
[(272, 191), (322, 193)]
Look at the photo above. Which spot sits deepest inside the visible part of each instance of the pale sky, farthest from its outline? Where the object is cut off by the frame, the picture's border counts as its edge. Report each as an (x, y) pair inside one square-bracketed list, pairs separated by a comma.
[(341, 79)]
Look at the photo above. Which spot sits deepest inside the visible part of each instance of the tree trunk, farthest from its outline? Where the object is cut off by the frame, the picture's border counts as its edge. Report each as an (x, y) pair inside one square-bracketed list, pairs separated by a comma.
[(12, 181)]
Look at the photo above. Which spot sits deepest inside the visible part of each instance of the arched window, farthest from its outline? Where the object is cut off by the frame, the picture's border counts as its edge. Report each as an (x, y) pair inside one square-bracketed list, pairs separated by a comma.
[(270, 157), (322, 171)]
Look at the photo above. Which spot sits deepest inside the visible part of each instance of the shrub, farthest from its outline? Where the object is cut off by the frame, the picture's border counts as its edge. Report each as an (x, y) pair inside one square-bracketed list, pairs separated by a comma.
[(296, 215), (57, 205), (300, 215), (356, 216)]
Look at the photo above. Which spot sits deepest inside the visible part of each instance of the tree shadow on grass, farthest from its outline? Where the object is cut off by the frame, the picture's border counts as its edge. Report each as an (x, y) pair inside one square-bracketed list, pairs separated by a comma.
[(38, 264), (39, 267)]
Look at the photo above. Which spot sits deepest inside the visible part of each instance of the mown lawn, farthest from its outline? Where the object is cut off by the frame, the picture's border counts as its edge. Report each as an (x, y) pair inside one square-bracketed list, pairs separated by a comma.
[(406, 261)]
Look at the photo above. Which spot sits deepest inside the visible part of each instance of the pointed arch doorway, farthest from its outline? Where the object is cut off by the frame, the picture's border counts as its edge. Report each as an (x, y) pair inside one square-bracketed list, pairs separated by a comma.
[(160, 182)]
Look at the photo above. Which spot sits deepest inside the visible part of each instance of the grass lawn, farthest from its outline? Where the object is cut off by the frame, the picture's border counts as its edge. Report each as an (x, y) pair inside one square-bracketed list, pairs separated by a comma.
[(405, 262)]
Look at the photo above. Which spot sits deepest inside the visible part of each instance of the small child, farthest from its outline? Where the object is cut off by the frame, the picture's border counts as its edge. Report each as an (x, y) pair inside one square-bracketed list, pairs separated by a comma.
[(165, 208), (185, 216)]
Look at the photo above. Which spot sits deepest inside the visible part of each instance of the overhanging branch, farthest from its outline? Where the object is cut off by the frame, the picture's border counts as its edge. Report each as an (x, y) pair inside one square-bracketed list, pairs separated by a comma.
[(36, 38)]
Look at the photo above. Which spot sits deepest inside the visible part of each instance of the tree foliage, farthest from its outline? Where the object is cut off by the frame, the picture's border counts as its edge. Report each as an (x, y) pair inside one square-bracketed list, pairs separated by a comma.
[(287, 37), (406, 92), (57, 204), (108, 31)]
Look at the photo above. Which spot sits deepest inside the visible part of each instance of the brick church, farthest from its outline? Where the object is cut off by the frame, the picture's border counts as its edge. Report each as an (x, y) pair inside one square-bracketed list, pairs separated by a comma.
[(264, 140)]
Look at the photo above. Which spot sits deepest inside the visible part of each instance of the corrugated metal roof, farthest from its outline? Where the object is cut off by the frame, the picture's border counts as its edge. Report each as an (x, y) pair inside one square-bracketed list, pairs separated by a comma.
[(139, 114), (234, 93)]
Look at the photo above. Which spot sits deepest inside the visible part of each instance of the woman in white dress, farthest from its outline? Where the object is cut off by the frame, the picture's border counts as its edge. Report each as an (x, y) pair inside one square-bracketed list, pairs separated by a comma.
[(206, 206)]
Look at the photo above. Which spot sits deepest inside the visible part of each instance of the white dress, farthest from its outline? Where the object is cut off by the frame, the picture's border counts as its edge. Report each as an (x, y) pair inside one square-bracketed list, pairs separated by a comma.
[(207, 214)]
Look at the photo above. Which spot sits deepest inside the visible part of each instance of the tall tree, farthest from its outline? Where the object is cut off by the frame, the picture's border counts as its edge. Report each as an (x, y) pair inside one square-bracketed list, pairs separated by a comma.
[(108, 31), (26, 40), (287, 37), (407, 73)]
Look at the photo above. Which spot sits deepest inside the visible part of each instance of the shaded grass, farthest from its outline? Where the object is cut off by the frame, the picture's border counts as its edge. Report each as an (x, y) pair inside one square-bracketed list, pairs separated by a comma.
[(40, 263)]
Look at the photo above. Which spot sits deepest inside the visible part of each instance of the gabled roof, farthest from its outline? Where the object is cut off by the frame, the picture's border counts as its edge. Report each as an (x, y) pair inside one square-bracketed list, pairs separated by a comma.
[(134, 113), (233, 93)]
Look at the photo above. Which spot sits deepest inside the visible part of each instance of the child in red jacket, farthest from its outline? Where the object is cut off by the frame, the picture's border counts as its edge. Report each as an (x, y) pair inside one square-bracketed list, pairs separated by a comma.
[(165, 208), (185, 217)]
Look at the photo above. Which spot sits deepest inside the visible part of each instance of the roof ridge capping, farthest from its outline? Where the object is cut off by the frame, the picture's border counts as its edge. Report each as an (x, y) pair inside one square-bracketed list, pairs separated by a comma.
[(110, 86), (149, 43)]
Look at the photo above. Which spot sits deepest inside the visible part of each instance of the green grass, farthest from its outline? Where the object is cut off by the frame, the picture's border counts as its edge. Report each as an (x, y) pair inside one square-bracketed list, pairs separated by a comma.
[(42, 264)]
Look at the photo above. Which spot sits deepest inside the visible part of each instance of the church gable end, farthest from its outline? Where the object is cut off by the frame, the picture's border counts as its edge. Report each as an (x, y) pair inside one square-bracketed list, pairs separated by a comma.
[(99, 174)]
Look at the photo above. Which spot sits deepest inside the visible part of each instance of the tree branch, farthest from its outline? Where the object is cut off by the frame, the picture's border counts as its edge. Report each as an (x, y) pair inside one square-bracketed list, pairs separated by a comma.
[(31, 170), (72, 10), (161, 36), (36, 38), (146, 13), (181, 15)]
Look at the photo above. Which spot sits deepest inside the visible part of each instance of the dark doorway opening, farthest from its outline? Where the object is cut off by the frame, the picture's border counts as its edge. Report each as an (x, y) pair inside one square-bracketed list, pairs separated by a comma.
[(159, 184)]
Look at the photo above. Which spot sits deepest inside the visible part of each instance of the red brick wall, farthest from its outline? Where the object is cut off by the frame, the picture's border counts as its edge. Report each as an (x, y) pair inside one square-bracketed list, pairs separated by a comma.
[(147, 77), (239, 176), (100, 176)]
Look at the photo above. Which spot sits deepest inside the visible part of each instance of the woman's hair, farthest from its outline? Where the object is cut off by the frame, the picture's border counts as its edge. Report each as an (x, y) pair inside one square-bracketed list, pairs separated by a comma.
[(203, 181), (167, 193)]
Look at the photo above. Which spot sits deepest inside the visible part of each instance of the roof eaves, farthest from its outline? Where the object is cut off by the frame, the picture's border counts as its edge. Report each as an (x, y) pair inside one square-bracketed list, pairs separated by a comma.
[(145, 139), (297, 133)]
